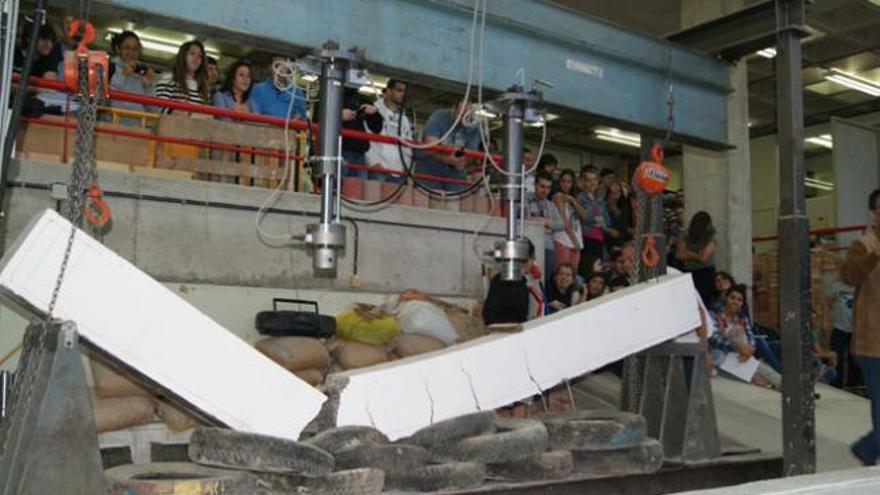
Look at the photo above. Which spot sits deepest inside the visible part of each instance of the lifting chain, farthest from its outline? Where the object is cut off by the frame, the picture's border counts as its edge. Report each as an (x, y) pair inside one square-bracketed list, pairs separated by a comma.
[(83, 175)]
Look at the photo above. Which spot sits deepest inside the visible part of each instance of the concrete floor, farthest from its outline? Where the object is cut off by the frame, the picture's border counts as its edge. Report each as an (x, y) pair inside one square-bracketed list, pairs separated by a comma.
[(753, 416)]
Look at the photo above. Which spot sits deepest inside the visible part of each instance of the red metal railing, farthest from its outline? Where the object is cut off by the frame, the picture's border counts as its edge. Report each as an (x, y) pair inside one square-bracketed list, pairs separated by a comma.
[(295, 124)]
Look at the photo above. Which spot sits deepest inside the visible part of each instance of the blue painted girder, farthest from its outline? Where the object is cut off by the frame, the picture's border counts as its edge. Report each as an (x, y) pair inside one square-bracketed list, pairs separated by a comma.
[(596, 67)]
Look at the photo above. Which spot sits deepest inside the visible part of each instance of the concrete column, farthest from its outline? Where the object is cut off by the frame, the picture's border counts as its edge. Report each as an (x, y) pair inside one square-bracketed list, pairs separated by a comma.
[(720, 182), (856, 173)]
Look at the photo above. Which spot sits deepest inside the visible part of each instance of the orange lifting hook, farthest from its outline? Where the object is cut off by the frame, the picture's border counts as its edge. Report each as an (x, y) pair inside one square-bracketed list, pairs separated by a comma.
[(650, 255), (98, 203)]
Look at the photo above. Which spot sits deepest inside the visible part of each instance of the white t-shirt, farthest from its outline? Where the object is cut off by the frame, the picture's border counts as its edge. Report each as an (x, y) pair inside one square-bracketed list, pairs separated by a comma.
[(388, 155)]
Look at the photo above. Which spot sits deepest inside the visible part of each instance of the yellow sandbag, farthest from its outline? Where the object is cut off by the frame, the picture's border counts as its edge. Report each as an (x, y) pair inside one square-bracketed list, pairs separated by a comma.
[(367, 324)]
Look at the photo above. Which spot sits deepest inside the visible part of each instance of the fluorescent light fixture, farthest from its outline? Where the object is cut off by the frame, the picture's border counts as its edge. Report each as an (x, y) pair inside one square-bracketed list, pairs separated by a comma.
[(767, 52), (818, 184), (853, 81), (548, 117), (164, 45), (310, 77), (370, 90), (825, 140), (613, 135), (486, 114)]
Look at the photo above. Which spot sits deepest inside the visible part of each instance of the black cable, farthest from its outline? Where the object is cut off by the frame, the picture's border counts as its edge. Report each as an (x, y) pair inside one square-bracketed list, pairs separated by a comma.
[(410, 171), (400, 185), (18, 104)]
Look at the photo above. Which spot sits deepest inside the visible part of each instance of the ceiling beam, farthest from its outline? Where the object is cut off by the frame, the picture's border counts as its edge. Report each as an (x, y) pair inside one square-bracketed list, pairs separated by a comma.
[(596, 67)]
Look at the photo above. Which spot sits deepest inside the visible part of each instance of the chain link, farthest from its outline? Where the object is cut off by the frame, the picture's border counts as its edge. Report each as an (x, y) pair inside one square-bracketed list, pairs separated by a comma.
[(83, 173), (29, 363)]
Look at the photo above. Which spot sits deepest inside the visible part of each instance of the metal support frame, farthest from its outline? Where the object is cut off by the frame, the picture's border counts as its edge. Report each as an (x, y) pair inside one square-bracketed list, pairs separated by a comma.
[(735, 35), (669, 384), (48, 441), (798, 409)]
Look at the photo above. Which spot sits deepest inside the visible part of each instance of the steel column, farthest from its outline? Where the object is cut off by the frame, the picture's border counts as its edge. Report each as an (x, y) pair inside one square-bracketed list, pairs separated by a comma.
[(798, 413)]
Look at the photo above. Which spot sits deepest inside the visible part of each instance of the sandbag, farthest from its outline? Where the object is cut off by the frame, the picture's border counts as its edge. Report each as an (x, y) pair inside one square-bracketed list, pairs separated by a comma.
[(352, 355), (118, 413), (467, 326), (412, 345), (175, 419), (424, 318), (313, 377), (368, 324), (109, 383), (295, 353)]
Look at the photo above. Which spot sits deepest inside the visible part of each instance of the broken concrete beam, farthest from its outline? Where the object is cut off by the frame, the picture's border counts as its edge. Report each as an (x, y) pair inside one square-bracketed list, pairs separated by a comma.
[(493, 371), (136, 321)]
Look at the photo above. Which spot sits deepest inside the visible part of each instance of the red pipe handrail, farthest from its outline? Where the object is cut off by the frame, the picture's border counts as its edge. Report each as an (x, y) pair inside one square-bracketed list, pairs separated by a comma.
[(165, 139), (296, 124), (819, 232)]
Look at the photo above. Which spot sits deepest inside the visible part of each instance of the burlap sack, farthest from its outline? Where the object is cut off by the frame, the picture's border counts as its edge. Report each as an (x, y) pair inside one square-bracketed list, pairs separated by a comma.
[(352, 355), (175, 419), (412, 345), (295, 353), (118, 413), (109, 383), (313, 377)]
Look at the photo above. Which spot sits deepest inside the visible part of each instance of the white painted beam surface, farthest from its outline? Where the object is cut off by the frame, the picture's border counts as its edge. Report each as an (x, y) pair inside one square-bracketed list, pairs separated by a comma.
[(496, 370), (138, 321)]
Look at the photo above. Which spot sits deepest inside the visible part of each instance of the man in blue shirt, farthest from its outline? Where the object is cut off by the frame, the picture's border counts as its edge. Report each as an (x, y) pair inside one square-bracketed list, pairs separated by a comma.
[(270, 97), (441, 164)]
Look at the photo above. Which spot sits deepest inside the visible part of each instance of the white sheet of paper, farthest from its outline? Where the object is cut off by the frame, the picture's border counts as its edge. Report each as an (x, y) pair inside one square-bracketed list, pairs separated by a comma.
[(744, 370)]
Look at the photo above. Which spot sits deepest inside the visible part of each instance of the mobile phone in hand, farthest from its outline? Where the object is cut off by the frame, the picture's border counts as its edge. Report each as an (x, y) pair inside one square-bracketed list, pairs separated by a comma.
[(140, 69)]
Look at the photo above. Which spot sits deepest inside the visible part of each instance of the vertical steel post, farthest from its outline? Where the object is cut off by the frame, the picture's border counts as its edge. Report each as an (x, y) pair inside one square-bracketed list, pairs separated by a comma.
[(798, 410)]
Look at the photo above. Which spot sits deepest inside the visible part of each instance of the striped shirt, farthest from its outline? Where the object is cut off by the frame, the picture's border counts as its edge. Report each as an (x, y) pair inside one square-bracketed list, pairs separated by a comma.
[(167, 88)]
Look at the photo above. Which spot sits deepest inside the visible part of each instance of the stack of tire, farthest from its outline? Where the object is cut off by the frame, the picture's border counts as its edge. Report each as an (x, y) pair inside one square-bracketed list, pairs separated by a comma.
[(604, 442), (458, 453)]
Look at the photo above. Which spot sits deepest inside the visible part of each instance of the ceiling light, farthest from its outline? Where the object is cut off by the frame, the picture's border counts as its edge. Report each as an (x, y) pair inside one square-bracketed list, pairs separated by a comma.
[(613, 135), (818, 184), (825, 140), (370, 90), (163, 45), (853, 81), (310, 77), (548, 117), (767, 52), (486, 114)]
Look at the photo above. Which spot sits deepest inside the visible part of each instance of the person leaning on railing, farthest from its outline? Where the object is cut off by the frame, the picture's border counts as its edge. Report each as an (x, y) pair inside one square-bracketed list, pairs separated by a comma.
[(188, 80), (236, 90), (128, 73)]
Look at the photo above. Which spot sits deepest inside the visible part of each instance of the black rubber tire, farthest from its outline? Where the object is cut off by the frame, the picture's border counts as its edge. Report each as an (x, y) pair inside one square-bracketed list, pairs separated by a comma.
[(336, 439), (544, 466), (452, 430), (272, 483), (177, 477), (644, 458), (595, 429), (364, 481), (514, 439), (451, 476), (390, 458), (251, 452)]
